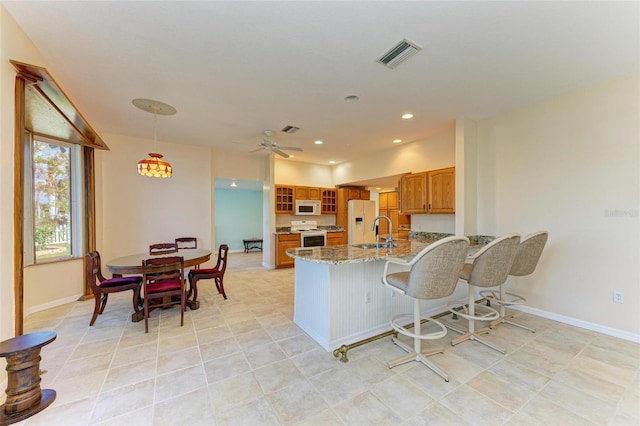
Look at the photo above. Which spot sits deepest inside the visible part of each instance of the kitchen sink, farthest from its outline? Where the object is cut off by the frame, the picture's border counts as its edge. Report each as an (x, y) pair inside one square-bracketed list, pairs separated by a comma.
[(374, 245)]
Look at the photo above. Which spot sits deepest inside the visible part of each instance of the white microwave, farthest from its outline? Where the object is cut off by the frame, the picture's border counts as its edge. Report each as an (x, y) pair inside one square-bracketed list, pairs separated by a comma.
[(307, 208)]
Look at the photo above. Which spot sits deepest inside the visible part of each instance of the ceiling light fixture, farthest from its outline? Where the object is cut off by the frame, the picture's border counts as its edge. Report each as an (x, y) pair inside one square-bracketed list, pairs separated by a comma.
[(154, 166), (332, 162), (407, 116), (397, 140), (318, 142), (233, 183)]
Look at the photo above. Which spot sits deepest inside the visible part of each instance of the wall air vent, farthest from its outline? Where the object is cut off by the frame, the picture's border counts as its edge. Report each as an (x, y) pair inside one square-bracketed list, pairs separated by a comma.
[(399, 53), (290, 129)]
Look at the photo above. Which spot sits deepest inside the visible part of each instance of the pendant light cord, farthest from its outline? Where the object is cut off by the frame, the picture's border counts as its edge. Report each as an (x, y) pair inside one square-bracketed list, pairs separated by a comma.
[(155, 131)]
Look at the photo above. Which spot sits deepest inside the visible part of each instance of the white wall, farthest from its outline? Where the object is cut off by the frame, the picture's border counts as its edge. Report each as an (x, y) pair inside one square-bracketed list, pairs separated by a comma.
[(14, 44), (302, 174), (136, 211), (234, 165), (570, 166), (434, 153)]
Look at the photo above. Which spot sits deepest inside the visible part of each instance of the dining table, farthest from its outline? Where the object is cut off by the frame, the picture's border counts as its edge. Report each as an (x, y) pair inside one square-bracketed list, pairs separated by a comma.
[(132, 265)]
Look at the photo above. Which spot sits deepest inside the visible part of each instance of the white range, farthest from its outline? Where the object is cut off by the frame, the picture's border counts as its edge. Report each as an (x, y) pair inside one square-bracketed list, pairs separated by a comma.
[(310, 235)]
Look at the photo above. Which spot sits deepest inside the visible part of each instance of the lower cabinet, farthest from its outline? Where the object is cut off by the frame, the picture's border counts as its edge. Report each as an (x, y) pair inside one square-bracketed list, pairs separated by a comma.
[(284, 242), (336, 238)]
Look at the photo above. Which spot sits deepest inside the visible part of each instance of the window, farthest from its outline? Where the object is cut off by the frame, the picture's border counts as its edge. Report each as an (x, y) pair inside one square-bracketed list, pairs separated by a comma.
[(52, 206)]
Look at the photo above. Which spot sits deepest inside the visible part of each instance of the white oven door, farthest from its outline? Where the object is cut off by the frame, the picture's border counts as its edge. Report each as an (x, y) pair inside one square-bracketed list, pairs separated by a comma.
[(313, 238)]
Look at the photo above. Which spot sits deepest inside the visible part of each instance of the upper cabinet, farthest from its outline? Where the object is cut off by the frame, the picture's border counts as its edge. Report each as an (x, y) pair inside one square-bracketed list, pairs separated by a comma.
[(284, 199), (414, 193), (286, 196), (442, 191), (428, 192), (307, 193), (329, 203), (356, 194)]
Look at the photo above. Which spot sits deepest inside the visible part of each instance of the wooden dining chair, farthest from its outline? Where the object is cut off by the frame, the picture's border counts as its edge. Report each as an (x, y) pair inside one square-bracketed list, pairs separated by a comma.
[(163, 285), (163, 248), (101, 287), (187, 243), (216, 273)]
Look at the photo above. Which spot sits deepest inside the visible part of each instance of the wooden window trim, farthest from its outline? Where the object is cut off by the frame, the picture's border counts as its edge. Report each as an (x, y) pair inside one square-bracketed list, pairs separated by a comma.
[(41, 107)]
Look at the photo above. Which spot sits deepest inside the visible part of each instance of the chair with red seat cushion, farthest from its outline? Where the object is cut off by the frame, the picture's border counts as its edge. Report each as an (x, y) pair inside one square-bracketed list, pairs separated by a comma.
[(187, 243), (163, 285), (216, 273), (163, 248), (101, 286)]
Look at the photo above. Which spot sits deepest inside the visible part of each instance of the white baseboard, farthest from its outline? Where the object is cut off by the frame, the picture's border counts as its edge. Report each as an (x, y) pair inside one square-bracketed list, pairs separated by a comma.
[(51, 304), (579, 323)]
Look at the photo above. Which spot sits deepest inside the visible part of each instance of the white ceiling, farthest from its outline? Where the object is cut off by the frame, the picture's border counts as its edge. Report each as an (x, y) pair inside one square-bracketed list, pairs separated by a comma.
[(234, 69)]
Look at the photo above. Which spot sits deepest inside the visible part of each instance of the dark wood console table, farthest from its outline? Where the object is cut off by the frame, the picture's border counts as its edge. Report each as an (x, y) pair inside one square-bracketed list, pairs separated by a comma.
[(24, 396), (252, 243)]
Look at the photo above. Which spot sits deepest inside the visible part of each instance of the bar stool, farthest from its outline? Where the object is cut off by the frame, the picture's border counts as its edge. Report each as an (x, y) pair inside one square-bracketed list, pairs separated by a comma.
[(525, 262), (490, 268), (433, 275)]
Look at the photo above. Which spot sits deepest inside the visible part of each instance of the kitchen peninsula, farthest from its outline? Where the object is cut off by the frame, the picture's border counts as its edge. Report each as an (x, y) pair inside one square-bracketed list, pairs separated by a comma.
[(339, 297)]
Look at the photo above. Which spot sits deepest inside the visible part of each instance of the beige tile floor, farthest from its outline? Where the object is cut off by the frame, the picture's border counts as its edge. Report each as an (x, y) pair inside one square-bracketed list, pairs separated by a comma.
[(243, 362)]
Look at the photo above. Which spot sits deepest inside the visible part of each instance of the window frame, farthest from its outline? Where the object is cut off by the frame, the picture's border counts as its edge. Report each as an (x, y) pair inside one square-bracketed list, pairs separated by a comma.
[(76, 201)]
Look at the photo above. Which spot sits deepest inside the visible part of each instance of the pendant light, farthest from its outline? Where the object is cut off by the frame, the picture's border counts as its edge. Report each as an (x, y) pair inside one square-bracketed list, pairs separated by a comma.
[(154, 166)]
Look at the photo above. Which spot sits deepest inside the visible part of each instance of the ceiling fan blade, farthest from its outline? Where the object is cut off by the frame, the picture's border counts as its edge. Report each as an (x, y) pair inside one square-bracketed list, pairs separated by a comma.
[(290, 148), (256, 150), (280, 153)]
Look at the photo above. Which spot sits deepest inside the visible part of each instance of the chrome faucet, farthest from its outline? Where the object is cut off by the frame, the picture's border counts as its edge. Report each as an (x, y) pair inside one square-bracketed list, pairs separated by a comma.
[(389, 241)]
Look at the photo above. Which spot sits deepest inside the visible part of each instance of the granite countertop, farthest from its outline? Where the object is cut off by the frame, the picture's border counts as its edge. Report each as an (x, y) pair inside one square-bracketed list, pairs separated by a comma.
[(328, 228), (349, 254)]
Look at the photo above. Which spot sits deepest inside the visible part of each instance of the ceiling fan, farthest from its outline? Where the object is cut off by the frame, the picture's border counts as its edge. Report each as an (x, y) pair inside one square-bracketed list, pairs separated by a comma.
[(268, 144)]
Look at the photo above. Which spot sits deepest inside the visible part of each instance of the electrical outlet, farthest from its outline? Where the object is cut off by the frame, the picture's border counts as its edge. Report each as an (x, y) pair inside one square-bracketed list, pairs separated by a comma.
[(367, 297), (618, 297)]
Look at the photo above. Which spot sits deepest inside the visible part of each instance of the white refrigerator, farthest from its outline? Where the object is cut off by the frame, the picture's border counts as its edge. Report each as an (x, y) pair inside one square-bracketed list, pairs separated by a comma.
[(361, 215)]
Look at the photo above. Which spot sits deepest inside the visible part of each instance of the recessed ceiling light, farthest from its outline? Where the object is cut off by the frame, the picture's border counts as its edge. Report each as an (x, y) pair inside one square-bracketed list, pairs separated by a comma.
[(377, 187), (291, 156), (397, 140), (407, 116), (318, 142), (351, 98), (332, 162)]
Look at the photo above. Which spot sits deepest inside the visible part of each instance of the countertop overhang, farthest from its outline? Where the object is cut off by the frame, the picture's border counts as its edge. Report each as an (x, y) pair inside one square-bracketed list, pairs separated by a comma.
[(349, 254)]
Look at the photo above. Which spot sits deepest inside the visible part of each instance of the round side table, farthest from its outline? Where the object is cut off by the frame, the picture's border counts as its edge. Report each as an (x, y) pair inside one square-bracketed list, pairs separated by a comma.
[(24, 396)]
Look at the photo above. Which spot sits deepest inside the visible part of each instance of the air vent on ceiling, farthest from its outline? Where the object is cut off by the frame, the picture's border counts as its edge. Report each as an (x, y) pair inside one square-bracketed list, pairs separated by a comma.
[(399, 53), (290, 129)]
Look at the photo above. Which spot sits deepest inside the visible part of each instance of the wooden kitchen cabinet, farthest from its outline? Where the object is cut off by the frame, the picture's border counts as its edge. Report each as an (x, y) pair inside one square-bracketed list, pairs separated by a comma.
[(284, 199), (414, 193), (356, 194), (442, 190), (336, 238), (307, 193), (329, 203), (284, 242), (388, 206)]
